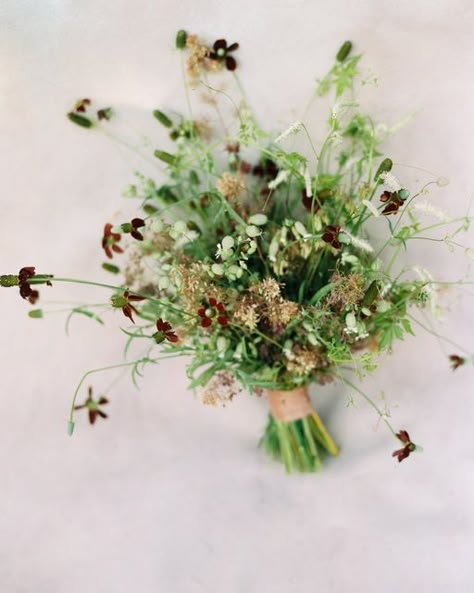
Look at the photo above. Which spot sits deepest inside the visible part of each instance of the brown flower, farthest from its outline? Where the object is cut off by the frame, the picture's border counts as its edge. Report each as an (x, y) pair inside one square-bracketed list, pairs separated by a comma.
[(408, 447), (214, 309), (82, 105), (26, 291), (123, 301), (165, 332), (330, 235), (110, 240), (93, 406), (393, 202), (456, 361), (220, 52), (132, 227)]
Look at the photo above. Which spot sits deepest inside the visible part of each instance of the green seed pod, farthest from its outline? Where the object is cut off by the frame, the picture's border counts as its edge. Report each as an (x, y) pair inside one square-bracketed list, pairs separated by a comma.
[(70, 427), (384, 167), (181, 38), (126, 227), (80, 120), (8, 280), (162, 118), (110, 268), (166, 157), (344, 51)]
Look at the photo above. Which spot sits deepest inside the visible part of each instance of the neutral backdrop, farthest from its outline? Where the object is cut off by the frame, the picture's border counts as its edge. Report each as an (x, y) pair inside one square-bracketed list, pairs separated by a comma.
[(168, 495)]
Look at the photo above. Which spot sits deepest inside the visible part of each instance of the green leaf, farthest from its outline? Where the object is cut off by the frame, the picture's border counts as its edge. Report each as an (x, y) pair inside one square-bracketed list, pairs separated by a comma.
[(407, 326), (320, 294)]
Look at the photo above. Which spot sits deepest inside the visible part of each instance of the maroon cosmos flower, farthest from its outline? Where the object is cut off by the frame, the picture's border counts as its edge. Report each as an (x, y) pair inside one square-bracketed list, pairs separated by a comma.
[(330, 235), (93, 406), (82, 105), (393, 202), (26, 291), (408, 447), (110, 240), (124, 302), (214, 310), (164, 332), (456, 361), (220, 52), (132, 228)]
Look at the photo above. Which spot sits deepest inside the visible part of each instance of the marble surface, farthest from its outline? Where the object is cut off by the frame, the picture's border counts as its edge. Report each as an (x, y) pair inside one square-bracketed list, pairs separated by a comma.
[(168, 495)]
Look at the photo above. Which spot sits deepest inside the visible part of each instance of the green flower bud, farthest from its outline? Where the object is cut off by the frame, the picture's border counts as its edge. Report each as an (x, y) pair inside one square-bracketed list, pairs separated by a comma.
[(344, 51), (9, 280), (159, 337), (181, 38), (110, 268), (80, 120), (384, 167), (162, 118), (166, 157), (35, 313)]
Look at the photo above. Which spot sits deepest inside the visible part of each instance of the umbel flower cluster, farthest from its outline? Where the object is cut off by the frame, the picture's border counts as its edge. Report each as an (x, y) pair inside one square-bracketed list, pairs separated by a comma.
[(256, 259)]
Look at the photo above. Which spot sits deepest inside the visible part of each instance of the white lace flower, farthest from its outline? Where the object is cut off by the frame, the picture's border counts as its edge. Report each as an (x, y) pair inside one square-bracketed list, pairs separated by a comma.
[(293, 129), (390, 181)]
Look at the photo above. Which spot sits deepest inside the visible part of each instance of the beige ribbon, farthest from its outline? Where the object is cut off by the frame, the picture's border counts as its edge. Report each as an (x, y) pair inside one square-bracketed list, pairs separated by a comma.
[(289, 405)]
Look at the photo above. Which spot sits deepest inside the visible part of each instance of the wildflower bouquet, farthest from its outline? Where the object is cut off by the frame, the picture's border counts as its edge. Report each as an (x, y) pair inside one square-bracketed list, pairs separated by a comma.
[(254, 258)]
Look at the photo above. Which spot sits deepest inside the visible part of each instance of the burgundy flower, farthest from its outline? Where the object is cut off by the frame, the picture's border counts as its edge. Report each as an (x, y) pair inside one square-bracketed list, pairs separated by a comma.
[(165, 332), (105, 113), (408, 447), (123, 301), (26, 291), (393, 202), (214, 310), (110, 240), (220, 52), (330, 235), (456, 361), (93, 406), (132, 228), (82, 105)]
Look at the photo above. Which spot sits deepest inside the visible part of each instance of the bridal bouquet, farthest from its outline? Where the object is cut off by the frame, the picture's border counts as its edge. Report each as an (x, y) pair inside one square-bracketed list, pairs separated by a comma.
[(261, 262)]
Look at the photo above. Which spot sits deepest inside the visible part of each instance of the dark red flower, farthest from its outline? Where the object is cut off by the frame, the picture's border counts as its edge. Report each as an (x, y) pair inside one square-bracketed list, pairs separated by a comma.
[(82, 105), (110, 240), (93, 406), (132, 228), (123, 301), (26, 291), (165, 332), (220, 52), (105, 113), (393, 202), (408, 447), (330, 235), (456, 361), (214, 310)]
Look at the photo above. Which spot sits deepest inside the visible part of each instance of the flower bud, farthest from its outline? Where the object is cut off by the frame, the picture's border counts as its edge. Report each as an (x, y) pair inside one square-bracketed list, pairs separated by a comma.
[(384, 167), (162, 118), (9, 280), (80, 120), (344, 51), (181, 38)]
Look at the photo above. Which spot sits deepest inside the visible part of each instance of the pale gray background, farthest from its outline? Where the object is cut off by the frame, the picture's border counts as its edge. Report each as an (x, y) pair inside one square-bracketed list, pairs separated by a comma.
[(168, 495)]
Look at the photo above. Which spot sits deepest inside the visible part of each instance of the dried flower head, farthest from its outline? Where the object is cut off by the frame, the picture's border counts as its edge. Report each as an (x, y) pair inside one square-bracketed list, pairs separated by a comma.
[(221, 389), (231, 186)]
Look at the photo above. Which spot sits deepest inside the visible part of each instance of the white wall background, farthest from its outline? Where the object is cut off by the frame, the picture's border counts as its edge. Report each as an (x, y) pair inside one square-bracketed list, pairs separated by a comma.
[(167, 495)]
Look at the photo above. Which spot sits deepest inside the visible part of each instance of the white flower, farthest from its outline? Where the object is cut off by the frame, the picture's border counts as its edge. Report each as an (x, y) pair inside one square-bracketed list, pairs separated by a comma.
[(442, 182), (390, 181), (253, 231), (279, 179), (371, 207), (358, 242), (300, 229), (293, 129), (258, 219), (307, 182), (428, 208)]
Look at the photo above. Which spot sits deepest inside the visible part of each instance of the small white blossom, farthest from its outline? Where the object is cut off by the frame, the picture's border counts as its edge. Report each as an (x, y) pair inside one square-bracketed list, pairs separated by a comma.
[(258, 219), (358, 242), (371, 207), (293, 129), (253, 231), (279, 179), (390, 181), (428, 208)]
